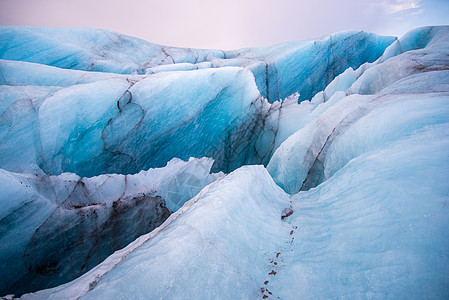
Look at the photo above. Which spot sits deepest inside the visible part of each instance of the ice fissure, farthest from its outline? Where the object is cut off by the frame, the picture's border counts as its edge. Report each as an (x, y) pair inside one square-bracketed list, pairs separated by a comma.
[(317, 157), (334, 153)]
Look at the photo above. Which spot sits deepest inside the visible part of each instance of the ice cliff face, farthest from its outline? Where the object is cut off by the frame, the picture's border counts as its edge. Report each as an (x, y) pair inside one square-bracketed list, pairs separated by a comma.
[(124, 124), (353, 202)]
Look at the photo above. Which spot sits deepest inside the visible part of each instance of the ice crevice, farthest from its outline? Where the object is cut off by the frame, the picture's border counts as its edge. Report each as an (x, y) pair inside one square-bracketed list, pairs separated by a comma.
[(315, 174), (90, 218)]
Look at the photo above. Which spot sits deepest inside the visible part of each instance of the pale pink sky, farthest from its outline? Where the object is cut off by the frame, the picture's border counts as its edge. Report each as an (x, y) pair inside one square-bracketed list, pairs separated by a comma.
[(227, 24)]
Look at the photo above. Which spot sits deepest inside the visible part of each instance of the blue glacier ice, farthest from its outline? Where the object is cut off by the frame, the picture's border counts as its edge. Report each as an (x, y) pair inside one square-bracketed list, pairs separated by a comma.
[(406, 76), (107, 116), (306, 170), (102, 125), (280, 70)]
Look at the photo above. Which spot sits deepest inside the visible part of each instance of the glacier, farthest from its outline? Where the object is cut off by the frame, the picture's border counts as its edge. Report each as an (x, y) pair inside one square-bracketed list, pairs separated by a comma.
[(80, 221), (311, 169), (280, 70)]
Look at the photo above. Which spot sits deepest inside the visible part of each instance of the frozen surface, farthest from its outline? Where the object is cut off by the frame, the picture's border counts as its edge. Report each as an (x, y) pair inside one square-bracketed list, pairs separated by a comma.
[(92, 49), (123, 124), (353, 202), (417, 78), (217, 245), (279, 70), (59, 227), (92, 123), (292, 161), (308, 67), (377, 229)]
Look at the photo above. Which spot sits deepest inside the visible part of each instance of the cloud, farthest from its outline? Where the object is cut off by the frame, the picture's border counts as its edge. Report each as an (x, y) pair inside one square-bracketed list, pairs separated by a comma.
[(396, 6)]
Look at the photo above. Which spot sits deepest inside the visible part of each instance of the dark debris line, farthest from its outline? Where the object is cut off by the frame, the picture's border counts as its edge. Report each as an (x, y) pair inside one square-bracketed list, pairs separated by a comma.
[(277, 262)]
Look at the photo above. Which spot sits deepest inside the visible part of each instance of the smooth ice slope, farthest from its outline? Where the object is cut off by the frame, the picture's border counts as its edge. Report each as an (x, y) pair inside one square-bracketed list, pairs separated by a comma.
[(280, 70), (377, 228), (55, 228)]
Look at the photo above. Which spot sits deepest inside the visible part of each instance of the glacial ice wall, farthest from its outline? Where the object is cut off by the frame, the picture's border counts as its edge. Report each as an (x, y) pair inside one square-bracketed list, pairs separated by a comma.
[(280, 70), (124, 124), (353, 202), (92, 123)]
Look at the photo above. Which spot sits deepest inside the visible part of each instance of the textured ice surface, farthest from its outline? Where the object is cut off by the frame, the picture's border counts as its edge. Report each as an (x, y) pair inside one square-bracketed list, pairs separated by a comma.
[(308, 67), (294, 159), (92, 123), (353, 203), (281, 70), (92, 49), (216, 246), (55, 228), (422, 74), (123, 124), (376, 229)]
